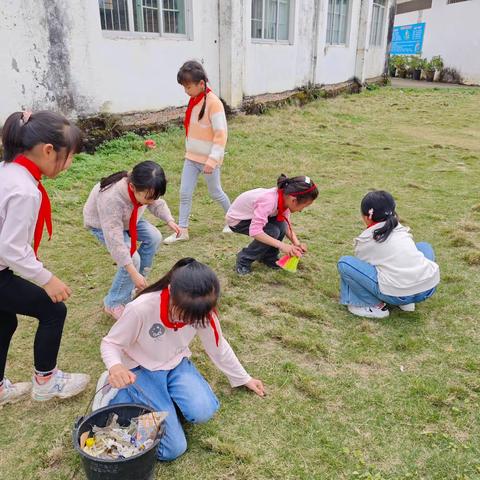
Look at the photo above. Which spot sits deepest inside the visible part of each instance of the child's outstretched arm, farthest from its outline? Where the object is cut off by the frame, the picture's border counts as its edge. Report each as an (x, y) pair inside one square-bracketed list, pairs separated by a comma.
[(160, 210), (225, 359)]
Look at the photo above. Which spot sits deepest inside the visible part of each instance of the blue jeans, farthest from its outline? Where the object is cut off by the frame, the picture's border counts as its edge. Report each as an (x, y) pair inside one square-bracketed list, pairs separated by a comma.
[(359, 283), (120, 292), (190, 173), (183, 388)]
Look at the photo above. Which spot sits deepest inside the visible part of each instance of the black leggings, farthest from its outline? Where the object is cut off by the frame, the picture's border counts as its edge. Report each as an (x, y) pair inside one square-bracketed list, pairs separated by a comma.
[(25, 298)]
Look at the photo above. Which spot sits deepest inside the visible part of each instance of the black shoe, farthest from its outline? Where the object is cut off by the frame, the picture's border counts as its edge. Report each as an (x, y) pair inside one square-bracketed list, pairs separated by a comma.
[(271, 264), (243, 270)]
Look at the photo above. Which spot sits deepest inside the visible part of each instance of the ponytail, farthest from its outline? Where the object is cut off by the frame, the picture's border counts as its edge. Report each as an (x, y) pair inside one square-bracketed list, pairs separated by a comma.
[(202, 111), (302, 188), (22, 131), (379, 206), (147, 176)]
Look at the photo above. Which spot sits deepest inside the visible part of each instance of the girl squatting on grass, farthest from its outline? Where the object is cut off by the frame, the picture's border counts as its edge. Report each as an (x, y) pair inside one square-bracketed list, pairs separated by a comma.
[(113, 213), (264, 214), (206, 136), (35, 145), (388, 267), (149, 346)]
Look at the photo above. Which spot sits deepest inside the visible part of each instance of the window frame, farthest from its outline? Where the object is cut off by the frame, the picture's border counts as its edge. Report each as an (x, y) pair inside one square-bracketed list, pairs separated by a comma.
[(131, 33), (348, 21), (291, 24), (378, 35)]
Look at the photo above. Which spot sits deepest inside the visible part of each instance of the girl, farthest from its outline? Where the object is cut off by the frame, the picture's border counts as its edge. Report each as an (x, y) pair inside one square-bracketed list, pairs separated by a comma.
[(34, 145), (388, 267), (113, 214), (264, 214), (149, 346), (206, 135)]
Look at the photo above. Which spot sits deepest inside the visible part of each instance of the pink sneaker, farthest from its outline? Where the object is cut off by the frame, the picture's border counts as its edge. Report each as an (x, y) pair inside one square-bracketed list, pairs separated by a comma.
[(114, 312)]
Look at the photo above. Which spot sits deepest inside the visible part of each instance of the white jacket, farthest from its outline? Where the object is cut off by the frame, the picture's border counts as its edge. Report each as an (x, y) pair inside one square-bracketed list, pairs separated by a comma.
[(402, 269)]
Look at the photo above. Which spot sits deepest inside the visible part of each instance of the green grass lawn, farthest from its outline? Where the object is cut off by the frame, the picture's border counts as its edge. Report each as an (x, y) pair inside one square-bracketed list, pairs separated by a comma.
[(347, 398)]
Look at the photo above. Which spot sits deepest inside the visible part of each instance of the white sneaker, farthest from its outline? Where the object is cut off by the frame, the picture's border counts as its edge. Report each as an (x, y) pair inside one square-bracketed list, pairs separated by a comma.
[(227, 229), (14, 392), (183, 237), (369, 312), (104, 393), (409, 307), (61, 385)]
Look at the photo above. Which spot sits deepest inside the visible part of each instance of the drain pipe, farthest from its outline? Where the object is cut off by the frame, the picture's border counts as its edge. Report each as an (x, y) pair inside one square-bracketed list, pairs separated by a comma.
[(313, 63)]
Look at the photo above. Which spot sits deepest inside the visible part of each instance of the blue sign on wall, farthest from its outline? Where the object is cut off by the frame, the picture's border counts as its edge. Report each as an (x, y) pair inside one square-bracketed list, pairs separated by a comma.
[(408, 39)]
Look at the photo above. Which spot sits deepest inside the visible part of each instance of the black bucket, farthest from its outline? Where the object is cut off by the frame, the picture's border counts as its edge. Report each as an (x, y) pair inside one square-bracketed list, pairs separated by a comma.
[(138, 467)]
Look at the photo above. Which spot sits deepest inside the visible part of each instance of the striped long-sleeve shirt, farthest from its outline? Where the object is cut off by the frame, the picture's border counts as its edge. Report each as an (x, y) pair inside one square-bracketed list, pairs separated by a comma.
[(207, 138)]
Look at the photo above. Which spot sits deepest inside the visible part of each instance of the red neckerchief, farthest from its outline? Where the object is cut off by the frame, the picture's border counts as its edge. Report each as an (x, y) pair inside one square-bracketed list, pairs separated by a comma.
[(164, 317), (45, 212), (191, 103), (281, 217), (132, 226)]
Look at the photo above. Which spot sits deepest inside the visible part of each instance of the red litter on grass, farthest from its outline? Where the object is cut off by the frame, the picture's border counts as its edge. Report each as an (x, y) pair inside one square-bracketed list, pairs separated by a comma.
[(288, 263), (149, 143)]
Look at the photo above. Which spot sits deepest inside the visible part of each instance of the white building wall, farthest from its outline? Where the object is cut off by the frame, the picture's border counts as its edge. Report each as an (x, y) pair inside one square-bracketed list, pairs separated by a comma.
[(452, 31), (54, 55)]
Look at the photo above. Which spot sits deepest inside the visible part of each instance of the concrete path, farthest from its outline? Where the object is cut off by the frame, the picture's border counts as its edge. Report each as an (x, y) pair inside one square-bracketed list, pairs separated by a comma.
[(408, 83)]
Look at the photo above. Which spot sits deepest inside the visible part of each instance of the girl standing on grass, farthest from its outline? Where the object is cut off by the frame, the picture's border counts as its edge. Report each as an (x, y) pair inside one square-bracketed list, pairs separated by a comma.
[(34, 145), (264, 214), (113, 213), (206, 136), (149, 346), (388, 267)]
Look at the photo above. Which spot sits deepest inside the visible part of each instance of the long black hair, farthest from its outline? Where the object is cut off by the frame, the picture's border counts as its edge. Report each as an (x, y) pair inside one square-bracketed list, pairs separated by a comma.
[(22, 131), (194, 291), (379, 206), (296, 186), (145, 176), (193, 72)]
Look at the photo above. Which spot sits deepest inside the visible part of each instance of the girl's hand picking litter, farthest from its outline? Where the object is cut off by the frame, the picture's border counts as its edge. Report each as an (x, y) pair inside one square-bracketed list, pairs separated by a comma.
[(173, 226), (256, 386), (303, 246), (292, 250), (120, 376), (57, 290), (139, 281)]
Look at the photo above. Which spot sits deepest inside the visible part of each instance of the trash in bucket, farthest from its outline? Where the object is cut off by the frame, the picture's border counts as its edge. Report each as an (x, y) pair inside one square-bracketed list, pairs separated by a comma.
[(114, 441), (139, 466)]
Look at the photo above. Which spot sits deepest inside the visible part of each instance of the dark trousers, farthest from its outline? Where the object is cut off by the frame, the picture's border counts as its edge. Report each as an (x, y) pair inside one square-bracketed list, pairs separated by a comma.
[(19, 296), (258, 250)]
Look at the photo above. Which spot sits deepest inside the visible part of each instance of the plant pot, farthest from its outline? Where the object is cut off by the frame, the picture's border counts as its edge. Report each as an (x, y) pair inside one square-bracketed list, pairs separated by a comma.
[(429, 74), (401, 73), (417, 74), (392, 71), (436, 77)]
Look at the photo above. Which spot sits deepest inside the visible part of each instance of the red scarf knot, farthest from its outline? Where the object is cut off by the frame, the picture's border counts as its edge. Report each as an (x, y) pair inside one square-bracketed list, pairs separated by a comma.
[(45, 212), (165, 318), (132, 227), (191, 103)]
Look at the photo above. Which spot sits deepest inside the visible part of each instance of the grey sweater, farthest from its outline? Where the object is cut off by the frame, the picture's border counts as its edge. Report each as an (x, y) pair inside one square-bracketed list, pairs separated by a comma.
[(110, 211)]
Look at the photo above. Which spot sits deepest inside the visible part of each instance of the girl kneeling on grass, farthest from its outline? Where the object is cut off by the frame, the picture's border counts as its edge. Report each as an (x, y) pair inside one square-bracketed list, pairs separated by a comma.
[(113, 214), (389, 268), (34, 145), (149, 346), (264, 213)]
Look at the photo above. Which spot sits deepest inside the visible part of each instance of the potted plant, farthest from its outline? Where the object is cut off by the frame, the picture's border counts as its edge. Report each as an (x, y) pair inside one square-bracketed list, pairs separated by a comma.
[(437, 63), (401, 65), (429, 71), (416, 65), (392, 65)]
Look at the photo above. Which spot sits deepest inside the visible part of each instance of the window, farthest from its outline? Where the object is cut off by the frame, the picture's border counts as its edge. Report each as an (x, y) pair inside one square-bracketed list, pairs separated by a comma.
[(337, 23), (149, 16), (113, 14), (378, 21), (271, 19)]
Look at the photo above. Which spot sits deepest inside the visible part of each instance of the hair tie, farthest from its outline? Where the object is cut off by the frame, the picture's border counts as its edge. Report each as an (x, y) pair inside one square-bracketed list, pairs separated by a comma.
[(388, 214), (370, 213), (26, 117)]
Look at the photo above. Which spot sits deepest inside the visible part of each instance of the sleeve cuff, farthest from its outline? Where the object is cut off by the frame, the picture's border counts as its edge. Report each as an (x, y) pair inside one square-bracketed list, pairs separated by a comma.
[(239, 383), (43, 277), (211, 162)]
